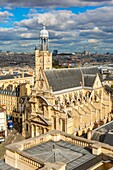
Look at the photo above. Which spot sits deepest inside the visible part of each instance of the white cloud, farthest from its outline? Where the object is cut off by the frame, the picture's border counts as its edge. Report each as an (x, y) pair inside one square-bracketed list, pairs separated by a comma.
[(27, 35), (93, 41), (4, 16), (55, 3), (67, 30)]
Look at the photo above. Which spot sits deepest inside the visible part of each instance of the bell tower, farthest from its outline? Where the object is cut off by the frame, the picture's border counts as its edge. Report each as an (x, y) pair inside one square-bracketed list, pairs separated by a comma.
[(44, 35), (43, 58)]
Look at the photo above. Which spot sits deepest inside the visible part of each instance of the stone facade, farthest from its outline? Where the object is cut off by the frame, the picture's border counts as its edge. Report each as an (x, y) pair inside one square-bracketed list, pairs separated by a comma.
[(58, 150), (3, 124), (12, 88), (71, 100)]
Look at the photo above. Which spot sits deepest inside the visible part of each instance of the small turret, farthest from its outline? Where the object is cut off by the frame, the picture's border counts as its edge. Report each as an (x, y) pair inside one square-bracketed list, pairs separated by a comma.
[(44, 35)]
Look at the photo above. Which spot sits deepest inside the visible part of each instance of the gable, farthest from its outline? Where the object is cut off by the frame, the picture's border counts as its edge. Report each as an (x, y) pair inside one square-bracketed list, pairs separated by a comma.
[(97, 82), (40, 120)]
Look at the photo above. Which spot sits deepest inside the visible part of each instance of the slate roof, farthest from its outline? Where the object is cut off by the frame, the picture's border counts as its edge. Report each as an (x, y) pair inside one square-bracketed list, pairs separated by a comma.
[(60, 79), (109, 78), (61, 151), (104, 133), (12, 76), (109, 138), (89, 80), (108, 89)]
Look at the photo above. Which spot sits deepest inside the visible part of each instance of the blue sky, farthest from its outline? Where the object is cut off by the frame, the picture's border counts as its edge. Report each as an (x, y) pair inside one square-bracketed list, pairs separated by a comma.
[(73, 26)]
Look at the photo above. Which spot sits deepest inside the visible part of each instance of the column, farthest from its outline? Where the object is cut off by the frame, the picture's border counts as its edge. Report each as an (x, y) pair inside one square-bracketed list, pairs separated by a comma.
[(91, 117), (45, 130), (32, 131), (101, 112), (109, 103), (80, 122), (37, 131), (96, 116), (60, 124)]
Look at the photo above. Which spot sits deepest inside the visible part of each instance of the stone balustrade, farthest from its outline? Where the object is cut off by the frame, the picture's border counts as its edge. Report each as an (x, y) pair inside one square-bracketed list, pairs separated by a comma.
[(35, 141), (24, 158), (27, 161)]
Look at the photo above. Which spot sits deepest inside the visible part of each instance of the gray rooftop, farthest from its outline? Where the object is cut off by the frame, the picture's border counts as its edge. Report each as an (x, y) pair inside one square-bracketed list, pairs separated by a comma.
[(61, 151), (60, 79), (13, 76), (104, 133), (89, 80)]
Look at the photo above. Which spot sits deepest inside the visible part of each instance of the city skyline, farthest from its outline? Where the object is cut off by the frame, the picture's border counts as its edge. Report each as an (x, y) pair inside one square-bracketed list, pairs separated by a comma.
[(73, 26)]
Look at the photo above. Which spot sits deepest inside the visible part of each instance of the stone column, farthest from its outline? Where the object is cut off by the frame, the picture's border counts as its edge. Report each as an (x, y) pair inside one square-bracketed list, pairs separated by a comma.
[(91, 117), (32, 131), (61, 124), (37, 131), (96, 116), (45, 130), (80, 122), (110, 103), (101, 112), (89, 134)]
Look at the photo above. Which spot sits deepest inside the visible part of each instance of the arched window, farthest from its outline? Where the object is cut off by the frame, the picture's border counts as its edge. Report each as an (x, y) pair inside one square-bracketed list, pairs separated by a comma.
[(54, 122), (63, 125)]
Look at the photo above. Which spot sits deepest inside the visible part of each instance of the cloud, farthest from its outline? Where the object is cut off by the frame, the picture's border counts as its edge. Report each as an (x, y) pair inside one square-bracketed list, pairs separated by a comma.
[(91, 30), (92, 41), (55, 3), (4, 16)]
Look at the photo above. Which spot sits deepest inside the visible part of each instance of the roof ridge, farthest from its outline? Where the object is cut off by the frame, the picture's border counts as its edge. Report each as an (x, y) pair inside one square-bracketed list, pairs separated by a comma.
[(89, 74)]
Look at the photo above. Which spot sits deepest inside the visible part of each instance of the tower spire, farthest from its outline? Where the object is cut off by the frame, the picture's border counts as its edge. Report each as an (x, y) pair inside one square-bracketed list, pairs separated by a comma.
[(44, 35), (44, 26)]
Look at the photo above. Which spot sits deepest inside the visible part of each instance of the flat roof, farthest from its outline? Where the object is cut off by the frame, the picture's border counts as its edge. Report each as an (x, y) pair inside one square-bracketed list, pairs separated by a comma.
[(61, 151)]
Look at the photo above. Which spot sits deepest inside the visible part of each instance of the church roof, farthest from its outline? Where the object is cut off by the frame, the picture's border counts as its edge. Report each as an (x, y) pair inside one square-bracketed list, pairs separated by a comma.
[(60, 79), (89, 80)]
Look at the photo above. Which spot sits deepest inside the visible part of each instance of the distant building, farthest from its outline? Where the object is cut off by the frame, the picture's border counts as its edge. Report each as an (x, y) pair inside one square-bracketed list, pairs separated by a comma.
[(12, 88), (104, 133), (3, 124), (55, 52)]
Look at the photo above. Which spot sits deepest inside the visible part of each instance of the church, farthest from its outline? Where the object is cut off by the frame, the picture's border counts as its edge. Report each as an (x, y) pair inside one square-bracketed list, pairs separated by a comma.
[(72, 100)]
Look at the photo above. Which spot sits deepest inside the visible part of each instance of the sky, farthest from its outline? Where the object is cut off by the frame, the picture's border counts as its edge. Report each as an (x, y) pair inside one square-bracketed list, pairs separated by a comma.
[(73, 25)]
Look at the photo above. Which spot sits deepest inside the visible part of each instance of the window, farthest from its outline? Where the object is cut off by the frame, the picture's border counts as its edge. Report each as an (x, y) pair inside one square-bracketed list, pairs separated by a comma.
[(63, 125), (54, 122), (27, 127), (2, 128)]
